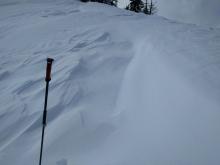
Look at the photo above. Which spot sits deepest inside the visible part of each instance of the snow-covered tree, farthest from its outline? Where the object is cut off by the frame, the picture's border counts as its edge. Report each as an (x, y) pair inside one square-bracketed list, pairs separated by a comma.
[(146, 10), (136, 6), (150, 8)]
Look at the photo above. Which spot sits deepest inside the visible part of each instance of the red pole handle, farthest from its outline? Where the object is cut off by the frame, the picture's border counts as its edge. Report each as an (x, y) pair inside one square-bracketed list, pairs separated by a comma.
[(49, 67)]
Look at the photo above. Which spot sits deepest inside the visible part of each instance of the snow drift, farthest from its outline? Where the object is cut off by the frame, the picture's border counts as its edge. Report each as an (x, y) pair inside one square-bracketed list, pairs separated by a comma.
[(126, 88)]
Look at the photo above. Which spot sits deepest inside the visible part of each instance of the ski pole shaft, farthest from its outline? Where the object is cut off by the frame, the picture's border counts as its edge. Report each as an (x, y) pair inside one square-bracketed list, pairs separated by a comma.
[(44, 120)]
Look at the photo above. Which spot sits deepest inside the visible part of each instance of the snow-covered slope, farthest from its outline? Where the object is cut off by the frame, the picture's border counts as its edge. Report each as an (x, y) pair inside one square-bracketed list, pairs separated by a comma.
[(126, 88)]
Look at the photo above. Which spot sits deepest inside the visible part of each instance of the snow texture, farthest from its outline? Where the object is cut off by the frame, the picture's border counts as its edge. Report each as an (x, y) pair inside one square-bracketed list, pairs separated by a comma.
[(126, 89)]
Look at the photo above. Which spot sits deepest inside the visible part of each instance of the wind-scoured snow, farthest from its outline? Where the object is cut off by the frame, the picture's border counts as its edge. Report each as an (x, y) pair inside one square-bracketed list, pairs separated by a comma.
[(126, 88)]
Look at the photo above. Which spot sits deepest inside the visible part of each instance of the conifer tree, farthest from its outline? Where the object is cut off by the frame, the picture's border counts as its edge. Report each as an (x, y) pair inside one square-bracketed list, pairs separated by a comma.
[(152, 8), (146, 10), (135, 5)]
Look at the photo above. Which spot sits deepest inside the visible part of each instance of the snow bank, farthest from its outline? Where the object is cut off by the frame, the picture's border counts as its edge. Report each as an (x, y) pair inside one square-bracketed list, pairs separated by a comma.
[(126, 88)]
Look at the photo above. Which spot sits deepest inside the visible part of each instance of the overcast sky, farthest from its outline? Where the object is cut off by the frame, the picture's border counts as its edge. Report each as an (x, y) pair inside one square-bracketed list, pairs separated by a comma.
[(203, 12)]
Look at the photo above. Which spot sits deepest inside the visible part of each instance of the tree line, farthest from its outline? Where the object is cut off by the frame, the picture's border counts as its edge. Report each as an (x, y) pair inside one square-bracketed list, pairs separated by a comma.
[(148, 7)]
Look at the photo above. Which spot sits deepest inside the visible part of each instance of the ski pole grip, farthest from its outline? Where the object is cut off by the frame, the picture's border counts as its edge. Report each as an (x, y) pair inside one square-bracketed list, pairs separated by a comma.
[(49, 67)]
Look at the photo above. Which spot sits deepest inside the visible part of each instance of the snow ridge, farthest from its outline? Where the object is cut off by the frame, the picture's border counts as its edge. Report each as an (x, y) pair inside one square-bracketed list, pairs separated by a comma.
[(115, 98)]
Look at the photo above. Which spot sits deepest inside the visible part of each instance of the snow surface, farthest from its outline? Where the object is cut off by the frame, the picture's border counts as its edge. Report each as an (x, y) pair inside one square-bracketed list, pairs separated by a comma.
[(126, 89)]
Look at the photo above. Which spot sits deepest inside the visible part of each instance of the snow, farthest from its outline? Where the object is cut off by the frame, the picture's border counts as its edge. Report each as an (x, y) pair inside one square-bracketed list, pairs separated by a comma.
[(125, 89)]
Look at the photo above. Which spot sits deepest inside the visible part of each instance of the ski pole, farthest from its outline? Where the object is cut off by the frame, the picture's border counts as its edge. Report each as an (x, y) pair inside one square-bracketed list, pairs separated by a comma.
[(44, 121)]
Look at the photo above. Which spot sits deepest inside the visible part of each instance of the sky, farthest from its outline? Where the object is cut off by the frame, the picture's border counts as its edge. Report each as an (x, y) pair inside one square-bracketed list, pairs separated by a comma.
[(201, 12)]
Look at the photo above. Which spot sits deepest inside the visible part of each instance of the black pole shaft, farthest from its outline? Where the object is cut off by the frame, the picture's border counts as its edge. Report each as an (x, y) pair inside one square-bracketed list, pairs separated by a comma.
[(44, 121), (42, 143)]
